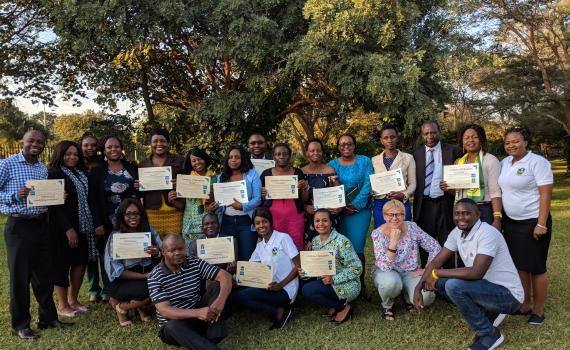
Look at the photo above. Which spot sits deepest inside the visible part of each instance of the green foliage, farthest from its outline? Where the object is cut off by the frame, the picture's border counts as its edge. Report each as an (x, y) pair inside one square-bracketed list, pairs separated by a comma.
[(73, 126), (14, 123)]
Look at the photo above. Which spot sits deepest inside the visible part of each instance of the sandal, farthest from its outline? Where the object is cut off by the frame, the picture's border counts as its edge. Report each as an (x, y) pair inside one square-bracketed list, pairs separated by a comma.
[(72, 313), (389, 315)]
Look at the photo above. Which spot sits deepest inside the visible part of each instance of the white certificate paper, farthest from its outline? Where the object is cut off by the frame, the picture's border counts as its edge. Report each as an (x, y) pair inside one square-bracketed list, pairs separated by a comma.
[(386, 182), (461, 176), (218, 250), (329, 197), (155, 178), (261, 164), (282, 187), (318, 263), (45, 192), (253, 274), (225, 192), (190, 186), (130, 245)]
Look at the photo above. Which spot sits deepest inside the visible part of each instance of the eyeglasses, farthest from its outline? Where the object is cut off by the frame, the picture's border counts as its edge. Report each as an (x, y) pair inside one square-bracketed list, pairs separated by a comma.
[(394, 215), (134, 214), (345, 145)]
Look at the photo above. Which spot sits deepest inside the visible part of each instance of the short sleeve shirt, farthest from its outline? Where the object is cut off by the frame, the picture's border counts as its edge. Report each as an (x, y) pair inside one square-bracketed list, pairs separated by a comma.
[(278, 252), (519, 183), (486, 240), (182, 289)]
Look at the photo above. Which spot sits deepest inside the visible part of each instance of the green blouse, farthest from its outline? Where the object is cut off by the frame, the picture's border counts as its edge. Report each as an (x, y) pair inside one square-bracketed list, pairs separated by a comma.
[(346, 282)]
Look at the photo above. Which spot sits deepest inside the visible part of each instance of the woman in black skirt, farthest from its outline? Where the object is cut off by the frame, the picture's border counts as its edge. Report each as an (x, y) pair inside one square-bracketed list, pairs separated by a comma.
[(127, 286), (526, 181), (72, 227)]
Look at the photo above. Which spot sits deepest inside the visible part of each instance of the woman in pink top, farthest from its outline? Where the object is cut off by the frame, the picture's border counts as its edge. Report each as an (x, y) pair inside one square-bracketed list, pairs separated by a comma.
[(396, 266)]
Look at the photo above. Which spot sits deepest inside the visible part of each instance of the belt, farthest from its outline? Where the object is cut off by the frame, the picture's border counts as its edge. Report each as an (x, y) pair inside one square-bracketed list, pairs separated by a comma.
[(29, 217), (438, 199)]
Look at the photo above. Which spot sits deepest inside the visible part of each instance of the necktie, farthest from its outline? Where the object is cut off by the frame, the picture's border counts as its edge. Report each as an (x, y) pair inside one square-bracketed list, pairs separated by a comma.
[(429, 171)]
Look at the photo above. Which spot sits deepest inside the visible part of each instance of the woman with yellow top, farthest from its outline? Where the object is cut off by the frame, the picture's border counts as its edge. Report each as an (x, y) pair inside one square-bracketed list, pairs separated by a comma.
[(196, 163), (164, 211), (473, 139)]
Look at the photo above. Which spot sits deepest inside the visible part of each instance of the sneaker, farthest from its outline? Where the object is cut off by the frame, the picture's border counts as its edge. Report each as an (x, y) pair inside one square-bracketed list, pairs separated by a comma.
[(498, 320), (489, 342), (536, 320), (280, 323)]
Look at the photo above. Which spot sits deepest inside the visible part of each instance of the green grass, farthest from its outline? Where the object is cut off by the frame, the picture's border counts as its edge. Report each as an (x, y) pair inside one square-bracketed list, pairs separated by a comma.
[(439, 327)]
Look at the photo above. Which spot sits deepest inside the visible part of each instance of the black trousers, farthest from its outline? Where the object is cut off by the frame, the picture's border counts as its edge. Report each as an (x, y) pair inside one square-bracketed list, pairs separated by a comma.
[(189, 334), (436, 220), (29, 261)]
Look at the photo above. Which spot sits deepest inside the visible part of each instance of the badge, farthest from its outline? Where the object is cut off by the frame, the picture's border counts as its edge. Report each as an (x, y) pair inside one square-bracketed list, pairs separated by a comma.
[(520, 171)]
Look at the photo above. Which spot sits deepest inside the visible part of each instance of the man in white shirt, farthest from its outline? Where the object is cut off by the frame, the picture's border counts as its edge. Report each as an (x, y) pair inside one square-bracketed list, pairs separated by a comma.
[(487, 287)]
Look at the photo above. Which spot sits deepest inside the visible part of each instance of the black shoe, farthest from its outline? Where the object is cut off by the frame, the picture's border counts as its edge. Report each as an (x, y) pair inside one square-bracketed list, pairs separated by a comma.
[(54, 324), (489, 342), (348, 317), (25, 333), (280, 323), (535, 320)]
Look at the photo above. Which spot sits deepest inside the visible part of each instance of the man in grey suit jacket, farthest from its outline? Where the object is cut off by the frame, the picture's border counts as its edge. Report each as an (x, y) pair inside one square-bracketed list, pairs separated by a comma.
[(433, 208)]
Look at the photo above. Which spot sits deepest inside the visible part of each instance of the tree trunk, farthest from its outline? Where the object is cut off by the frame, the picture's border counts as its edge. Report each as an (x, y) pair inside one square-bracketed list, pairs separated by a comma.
[(146, 97)]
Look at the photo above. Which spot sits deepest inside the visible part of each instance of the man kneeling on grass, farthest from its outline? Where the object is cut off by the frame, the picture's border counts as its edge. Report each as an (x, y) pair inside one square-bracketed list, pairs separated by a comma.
[(487, 288), (174, 286)]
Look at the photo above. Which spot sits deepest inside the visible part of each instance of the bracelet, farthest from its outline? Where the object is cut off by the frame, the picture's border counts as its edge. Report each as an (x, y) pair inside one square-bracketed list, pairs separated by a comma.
[(392, 250), (542, 226), (434, 275), (497, 214)]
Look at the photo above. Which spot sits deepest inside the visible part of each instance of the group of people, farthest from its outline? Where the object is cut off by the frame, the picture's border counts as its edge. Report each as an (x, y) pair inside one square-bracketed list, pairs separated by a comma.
[(484, 249)]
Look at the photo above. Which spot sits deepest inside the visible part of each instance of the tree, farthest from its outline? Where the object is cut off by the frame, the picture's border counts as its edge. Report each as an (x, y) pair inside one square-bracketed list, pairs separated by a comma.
[(14, 123), (73, 126)]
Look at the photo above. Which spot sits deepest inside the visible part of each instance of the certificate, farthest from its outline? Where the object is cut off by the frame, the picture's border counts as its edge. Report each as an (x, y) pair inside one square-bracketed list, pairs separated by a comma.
[(461, 175), (45, 192), (386, 182), (216, 250), (225, 192), (261, 164), (329, 197), (130, 245), (282, 187), (253, 274), (318, 263), (155, 178), (190, 186)]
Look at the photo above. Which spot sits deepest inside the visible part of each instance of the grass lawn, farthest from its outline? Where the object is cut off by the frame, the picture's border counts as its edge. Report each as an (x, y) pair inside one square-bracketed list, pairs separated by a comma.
[(439, 327)]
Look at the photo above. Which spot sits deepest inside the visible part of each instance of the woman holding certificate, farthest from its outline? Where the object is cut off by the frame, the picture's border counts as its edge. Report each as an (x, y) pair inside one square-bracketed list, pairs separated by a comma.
[(397, 269), (354, 173), (277, 250), (72, 227), (319, 175), (128, 277), (237, 216), (109, 184), (286, 208), (526, 181), (473, 139), (196, 163), (164, 210), (392, 159), (334, 291)]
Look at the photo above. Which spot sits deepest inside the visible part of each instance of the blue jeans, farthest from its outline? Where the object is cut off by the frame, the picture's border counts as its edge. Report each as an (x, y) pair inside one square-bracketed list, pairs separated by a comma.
[(239, 227), (478, 300), (379, 216), (262, 300), (318, 293)]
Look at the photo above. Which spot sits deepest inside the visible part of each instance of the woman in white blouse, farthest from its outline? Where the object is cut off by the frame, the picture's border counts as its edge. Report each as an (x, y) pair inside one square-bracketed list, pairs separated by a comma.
[(526, 181), (391, 159)]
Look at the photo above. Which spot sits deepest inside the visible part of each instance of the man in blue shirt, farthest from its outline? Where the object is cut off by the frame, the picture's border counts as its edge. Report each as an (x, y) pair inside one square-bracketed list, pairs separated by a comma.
[(27, 239)]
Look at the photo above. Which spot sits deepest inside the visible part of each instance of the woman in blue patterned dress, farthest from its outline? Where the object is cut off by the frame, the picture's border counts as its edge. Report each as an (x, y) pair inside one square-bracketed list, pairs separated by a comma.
[(353, 171)]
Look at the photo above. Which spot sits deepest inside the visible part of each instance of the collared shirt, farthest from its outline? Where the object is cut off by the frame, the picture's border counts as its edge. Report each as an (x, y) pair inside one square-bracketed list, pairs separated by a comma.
[(278, 252), (182, 289), (487, 240), (434, 190), (15, 171), (520, 182)]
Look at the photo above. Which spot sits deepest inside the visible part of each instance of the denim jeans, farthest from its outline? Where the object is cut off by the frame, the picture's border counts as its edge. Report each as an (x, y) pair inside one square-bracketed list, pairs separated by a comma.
[(318, 293), (262, 300), (477, 300), (239, 227)]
